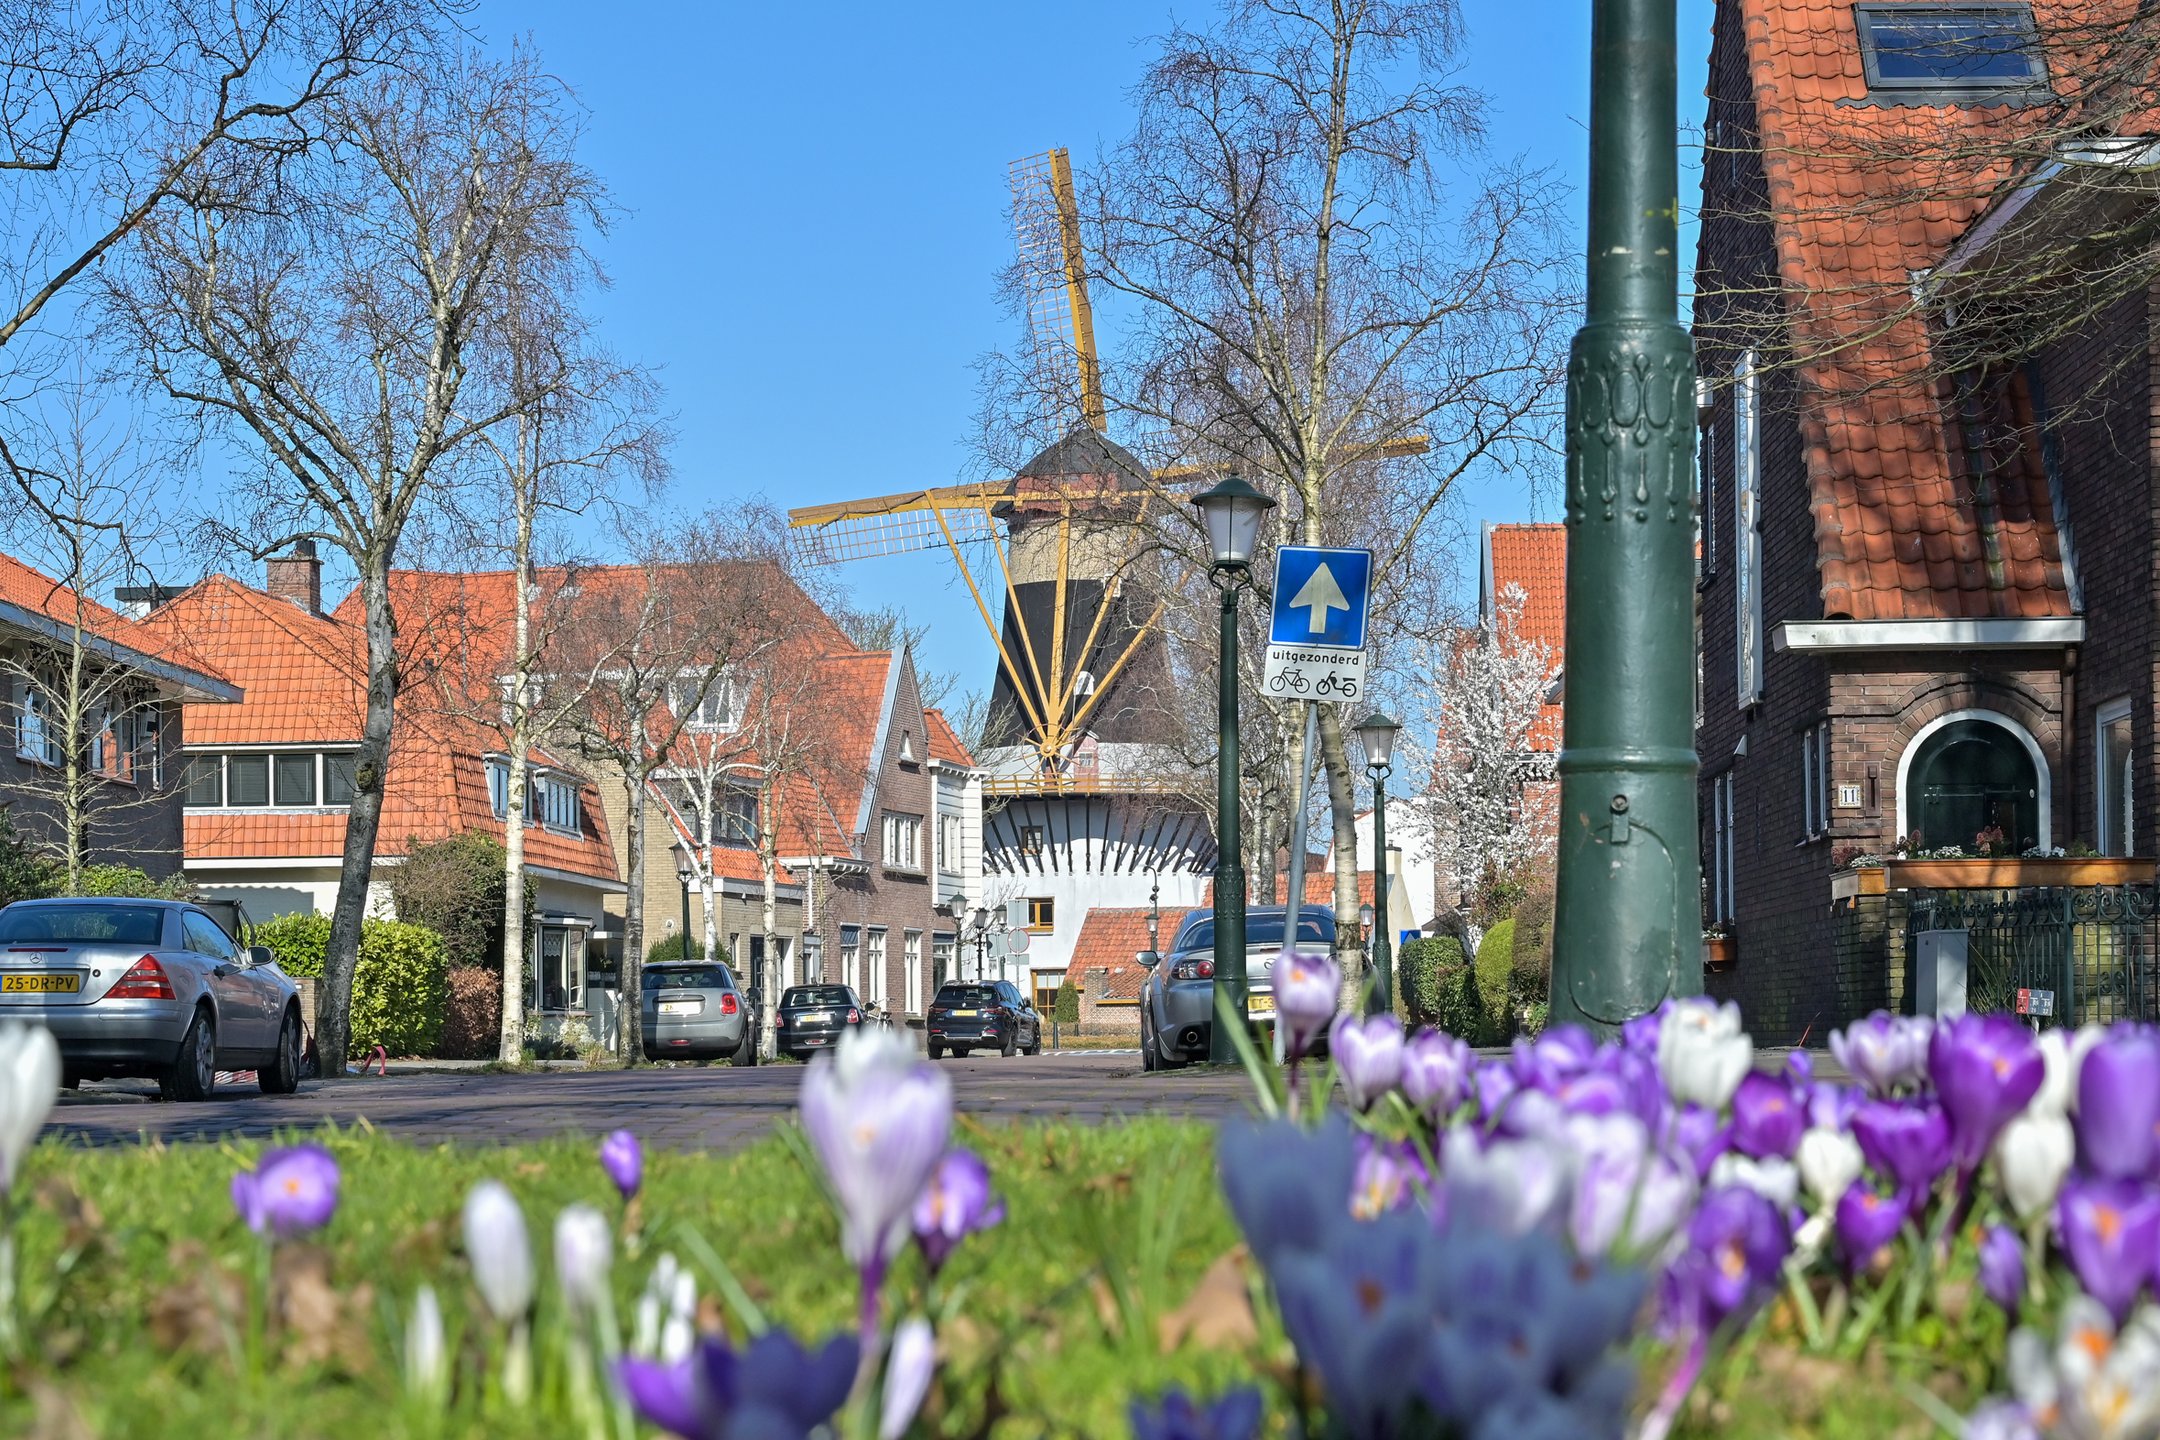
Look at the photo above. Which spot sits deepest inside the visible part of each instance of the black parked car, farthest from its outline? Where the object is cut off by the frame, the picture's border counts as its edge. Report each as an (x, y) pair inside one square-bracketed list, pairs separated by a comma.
[(813, 1017), (963, 1016)]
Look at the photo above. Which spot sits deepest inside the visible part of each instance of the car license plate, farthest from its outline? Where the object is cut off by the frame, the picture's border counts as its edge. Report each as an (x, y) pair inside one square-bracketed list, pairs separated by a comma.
[(1259, 1004), (965, 1014), (680, 1007), (20, 983)]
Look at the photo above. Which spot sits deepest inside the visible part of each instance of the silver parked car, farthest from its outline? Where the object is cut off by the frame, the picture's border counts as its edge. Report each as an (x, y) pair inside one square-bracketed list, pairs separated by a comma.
[(149, 987), (1177, 1003), (693, 1011)]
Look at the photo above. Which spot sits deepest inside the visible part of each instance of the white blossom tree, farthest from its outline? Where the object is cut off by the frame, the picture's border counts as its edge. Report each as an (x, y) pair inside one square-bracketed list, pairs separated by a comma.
[(1489, 690)]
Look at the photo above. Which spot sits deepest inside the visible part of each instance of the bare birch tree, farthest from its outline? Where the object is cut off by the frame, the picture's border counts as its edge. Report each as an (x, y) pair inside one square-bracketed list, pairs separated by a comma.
[(339, 323)]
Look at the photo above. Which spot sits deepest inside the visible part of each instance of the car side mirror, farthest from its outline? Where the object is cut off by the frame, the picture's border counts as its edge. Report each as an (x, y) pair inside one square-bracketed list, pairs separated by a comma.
[(261, 955), (1148, 958)]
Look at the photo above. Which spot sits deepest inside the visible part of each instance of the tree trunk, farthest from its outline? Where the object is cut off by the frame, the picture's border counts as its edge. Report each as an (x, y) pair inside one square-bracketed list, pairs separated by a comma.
[(632, 1006), (512, 1049), (776, 966), (371, 764), (1342, 810)]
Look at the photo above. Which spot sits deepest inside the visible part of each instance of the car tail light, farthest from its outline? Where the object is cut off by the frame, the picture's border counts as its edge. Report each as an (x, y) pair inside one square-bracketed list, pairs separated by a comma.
[(1194, 970), (779, 1020), (727, 1004), (854, 1017), (145, 980)]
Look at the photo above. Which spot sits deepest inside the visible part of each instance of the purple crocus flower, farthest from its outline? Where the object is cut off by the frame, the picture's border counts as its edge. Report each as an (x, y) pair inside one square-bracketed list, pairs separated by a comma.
[(2002, 1268), (1884, 1052), (289, 1192), (773, 1387), (2118, 1104), (1696, 1132), (1907, 1141), (954, 1205), (1830, 1106), (1308, 992), (1735, 1246), (1234, 1415), (1867, 1221), (1388, 1176), (624, 1160), (1768, 1118), (1511, 1186), (1986, 1069), (1436, 1070), (1368, 1056), (2111, 1231), (1641, 1033), (1625, 1192), (1553, 1057)]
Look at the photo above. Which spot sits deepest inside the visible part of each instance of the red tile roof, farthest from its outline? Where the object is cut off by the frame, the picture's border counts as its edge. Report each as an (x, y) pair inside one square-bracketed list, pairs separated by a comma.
[(945, 743), (32, 590), (1319, 887), (1864, 196), (1108, 939), (1533, 558)]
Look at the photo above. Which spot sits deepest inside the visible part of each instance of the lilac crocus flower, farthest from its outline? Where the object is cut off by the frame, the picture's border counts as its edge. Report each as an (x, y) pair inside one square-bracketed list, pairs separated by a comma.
[(1768, 1118), (1885, 1052), (1867, 1221), (289, 1192), (879, 1120), (1368, 1056), (1234, 1415), (2002, 1268), (1286, 1186), (2000, 1420), (910, 1365), (1436, 1070), (624, 1160), (2111, 1231), (1699, 1134), (1308, 990), (1510, 1186), (1907, 1141), (2118, 1104), (1625, 1192), (773, 1387), (1986, 1069), (1554, 1057), (1388, 1177), (1735, 1246), (954, 1205)]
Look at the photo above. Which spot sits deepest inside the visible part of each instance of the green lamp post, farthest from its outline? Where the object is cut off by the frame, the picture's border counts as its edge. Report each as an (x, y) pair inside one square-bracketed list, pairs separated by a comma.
[(1232, 512), (1376, 732), (1626, 935)]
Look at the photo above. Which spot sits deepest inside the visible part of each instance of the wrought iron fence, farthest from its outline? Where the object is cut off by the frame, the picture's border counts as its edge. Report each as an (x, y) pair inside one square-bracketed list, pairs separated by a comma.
[(2084, 953)]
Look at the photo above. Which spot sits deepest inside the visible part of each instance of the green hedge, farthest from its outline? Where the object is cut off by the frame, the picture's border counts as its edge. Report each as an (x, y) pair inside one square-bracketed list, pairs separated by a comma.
[(132, 883), (672, 949), (1067, 1009), (1440, 989), (1495, 971), (401, 986)]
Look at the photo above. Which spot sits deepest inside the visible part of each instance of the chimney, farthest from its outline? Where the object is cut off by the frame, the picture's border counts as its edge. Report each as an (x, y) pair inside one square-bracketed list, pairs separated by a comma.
[(296, 577)]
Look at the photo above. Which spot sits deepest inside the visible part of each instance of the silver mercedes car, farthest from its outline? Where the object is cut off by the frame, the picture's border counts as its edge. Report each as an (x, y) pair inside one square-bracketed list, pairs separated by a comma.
[(152, 988), (1177, 1002)]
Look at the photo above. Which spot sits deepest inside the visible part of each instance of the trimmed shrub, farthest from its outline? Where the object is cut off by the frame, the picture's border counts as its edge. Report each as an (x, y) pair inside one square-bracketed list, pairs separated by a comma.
[(130, 882), (672, 949), (456, 888), (1495, 970), (400, 986), (1417, 976), (1067, 1009), (472, 1014), (1532, 961)]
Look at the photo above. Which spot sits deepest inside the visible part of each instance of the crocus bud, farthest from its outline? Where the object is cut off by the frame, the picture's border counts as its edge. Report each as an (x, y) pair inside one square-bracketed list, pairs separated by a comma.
[(1308, 988), (1702, 1052), (1829, 1161), (583, 1254), (29, 1084), (427, 1358), (2032, 1155), (1368, 1057), (908, 1368), (624, 1160), (2002, 1268), (501, 1255)]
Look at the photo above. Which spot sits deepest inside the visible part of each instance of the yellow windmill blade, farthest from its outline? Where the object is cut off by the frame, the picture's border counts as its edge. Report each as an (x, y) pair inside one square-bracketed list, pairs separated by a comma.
[(1053, 273)]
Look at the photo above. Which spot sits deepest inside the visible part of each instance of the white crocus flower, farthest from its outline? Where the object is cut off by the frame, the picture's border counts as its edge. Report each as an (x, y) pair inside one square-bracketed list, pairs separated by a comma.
[(584, 1254), (2032, 1155), (427, 1357), (1829, 1161), (1702, 1053), (501, 1255), (29, 1083), (1772, 1178)]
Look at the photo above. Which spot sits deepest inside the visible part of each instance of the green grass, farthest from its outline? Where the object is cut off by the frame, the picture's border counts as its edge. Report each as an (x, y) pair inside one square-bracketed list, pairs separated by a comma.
[(1047, 1337)]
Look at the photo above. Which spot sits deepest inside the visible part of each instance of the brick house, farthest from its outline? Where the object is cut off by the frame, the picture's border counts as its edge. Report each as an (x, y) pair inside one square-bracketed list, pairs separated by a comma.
[(1927, 594), (267, 781), (133, 700)]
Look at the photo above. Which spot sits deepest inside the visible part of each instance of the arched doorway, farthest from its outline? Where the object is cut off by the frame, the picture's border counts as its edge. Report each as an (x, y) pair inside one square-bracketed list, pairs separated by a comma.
[(1967, 773)]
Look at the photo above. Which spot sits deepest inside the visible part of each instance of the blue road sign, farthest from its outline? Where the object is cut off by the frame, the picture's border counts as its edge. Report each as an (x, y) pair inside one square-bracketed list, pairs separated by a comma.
[(1320, 596)]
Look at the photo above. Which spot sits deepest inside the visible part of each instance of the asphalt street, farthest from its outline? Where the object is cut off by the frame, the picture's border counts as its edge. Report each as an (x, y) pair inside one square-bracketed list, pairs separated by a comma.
[(711, 1107)]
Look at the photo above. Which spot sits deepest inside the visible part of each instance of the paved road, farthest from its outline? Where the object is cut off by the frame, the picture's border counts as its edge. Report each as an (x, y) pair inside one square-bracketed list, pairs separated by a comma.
[(714, 1107)]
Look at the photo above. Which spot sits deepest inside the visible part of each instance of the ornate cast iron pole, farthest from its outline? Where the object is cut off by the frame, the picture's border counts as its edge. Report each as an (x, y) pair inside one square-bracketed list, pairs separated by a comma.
[(1628, 929)]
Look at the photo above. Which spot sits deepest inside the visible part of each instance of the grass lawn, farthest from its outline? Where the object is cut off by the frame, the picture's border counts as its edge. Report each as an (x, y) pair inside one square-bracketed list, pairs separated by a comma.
[(142, 1292)]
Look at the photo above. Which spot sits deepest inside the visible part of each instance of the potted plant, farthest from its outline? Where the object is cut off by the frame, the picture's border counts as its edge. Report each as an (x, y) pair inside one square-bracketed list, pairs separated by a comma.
[(1720, 948)]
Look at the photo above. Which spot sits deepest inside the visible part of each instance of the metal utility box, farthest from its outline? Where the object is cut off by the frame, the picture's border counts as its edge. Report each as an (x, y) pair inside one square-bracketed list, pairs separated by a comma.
[(1939, 973)]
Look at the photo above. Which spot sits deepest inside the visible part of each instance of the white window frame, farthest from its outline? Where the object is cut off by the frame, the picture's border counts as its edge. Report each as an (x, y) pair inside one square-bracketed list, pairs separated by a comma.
[(2114, 797), (874, 962), (498, 782), (911, 957), (1747, 531), (1815, 779), (1722, 834), (2041, 772), (719, 692), (950, 843), (851, 958), (902, 841)]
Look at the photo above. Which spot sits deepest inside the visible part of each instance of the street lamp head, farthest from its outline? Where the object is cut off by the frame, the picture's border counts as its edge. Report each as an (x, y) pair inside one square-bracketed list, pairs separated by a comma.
[(1232, 511), (1376, 732), (685, 866), (1365, 918), (978, 919)]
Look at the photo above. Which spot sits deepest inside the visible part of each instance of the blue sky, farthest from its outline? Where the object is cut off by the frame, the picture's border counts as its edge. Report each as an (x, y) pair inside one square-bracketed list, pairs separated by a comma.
[(813, 203)]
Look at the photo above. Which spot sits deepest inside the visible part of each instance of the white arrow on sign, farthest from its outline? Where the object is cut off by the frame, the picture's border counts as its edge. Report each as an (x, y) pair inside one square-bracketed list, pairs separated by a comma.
[(1319, 594)]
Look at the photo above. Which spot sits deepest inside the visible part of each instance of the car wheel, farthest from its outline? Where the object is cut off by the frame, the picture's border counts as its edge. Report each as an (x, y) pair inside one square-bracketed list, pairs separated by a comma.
[(1164, 1059), (194, 1072), (745, 1054), (960, 1052), (937, 1051), (1011, 1046), (1147, 1045), (282, 1075)]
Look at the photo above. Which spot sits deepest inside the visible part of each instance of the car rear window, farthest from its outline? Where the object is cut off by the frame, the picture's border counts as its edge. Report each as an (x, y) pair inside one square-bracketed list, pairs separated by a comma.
[(688, 977), (966, 995), (1316, 927), (816, 995), (82, 924)]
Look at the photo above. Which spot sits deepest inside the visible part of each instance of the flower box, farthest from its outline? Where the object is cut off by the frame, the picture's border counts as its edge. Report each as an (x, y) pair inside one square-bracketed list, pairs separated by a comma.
[(1719, 952), (1863, 880), (2015, 872)]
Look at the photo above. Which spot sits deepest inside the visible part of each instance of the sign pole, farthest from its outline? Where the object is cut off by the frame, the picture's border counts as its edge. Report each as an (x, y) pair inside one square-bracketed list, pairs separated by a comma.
[(1626, 935), (1294, 901)]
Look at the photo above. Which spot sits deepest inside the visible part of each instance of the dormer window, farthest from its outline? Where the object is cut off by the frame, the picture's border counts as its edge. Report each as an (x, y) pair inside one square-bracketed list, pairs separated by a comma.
[(907, 747), (705, 704), (1964, 49)]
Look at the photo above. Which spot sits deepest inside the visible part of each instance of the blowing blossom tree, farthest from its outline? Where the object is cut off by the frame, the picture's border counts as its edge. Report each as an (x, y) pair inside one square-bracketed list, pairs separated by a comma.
[(1484, 705)]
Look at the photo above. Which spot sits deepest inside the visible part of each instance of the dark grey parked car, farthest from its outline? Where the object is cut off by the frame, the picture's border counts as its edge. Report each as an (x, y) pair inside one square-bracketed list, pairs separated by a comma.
[(1177, 1003), (149, 987), (693, 1011)]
